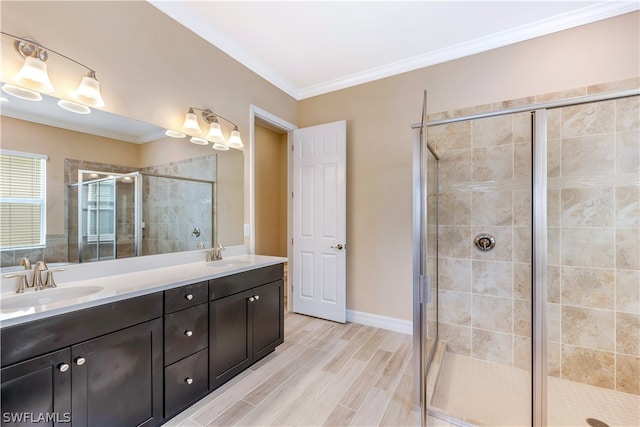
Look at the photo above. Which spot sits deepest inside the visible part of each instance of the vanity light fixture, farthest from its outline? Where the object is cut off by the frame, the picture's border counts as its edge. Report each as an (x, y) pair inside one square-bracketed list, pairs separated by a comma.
[(191, 122), (215, 135), (33, 78)]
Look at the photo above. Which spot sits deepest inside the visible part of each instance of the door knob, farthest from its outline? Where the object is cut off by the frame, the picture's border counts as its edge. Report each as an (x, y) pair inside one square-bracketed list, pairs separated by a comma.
[(64, 367), (251, 299), (189, 297), (257, 297), (339, 246), (80, 361), (189, 380), (188, 333)]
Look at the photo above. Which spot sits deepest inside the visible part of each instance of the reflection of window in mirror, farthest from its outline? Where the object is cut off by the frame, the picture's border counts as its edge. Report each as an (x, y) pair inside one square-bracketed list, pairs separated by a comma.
[(22, 200)]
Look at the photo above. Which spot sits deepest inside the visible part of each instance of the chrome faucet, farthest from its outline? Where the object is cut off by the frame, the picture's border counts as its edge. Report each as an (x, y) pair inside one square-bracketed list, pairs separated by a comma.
[(37, 282), (215, 253)]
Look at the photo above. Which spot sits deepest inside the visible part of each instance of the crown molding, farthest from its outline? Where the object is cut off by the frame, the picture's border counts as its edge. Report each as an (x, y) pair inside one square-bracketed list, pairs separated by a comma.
[(184, 16), (525, 32), (180, 12)]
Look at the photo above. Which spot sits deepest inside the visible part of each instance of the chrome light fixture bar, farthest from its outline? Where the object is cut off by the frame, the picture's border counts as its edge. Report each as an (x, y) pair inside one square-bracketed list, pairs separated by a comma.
[(192, 127), (33, 78)]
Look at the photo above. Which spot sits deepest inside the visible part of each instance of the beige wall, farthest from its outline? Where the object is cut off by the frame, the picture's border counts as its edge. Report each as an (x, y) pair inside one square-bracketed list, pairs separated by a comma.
[(270, 192), (379, 151)]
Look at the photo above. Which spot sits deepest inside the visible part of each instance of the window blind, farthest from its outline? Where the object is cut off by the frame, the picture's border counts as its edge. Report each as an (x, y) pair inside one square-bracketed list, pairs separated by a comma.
[(22, 200)]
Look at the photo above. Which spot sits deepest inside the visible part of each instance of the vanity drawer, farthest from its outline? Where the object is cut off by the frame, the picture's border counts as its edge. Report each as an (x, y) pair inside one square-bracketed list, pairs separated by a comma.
[(185, 296), (235, 283), (185, 381), (185, 332)]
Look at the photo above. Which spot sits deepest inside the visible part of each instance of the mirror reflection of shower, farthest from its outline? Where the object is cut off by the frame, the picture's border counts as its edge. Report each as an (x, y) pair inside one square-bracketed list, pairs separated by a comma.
[(105, 218), (120, 215)]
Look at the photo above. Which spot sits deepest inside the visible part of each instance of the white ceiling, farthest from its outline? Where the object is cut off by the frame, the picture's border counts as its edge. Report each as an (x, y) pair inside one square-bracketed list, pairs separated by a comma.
[(308, 48)]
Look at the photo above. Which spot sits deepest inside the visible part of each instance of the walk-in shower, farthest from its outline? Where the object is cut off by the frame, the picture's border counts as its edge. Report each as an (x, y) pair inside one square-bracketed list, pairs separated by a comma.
[(527, 264)]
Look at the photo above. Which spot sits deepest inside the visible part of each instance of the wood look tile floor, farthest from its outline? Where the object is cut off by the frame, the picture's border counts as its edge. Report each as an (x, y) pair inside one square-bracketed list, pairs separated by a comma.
[(325, 374)]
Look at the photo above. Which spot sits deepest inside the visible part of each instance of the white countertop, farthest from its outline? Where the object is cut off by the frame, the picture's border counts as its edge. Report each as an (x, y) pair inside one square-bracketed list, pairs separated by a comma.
[(113, 287)]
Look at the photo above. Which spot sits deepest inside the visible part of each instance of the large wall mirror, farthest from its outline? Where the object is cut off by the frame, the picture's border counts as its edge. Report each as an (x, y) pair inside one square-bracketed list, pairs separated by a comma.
[(115, 187)]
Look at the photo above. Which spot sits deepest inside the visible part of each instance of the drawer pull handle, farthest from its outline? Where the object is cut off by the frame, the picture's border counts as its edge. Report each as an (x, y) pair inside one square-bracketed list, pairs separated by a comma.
[(189, 381), (188, 333), (80, 361), (257, 297), (251, 299), (189, 297), (64, 367)]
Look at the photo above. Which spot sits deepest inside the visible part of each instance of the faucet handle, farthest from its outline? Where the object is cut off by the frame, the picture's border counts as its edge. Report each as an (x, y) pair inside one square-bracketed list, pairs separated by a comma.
[(26, 263), (22, 281)]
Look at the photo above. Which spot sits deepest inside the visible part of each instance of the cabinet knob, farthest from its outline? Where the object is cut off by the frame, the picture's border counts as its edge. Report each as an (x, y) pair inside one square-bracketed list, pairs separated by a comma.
[(189, 380), (80, 361), (189, 296), (257, 297), (63, 367), (251, 299), (188, 333)]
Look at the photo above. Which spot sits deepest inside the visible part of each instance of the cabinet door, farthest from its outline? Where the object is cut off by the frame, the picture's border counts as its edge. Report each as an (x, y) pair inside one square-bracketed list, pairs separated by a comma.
[(117, 378), (37, 391), (229, 343), (267, 318)]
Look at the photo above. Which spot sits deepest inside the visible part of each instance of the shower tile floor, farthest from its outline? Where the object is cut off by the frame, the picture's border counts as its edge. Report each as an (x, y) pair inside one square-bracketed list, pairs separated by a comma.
[(484, 393)]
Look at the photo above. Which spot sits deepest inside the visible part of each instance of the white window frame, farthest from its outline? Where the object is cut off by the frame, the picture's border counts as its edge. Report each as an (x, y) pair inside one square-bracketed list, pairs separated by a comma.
[(41, 201)]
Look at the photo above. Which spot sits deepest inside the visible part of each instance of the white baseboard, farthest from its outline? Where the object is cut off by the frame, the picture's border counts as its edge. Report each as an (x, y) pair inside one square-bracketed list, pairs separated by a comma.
[(383, 322)]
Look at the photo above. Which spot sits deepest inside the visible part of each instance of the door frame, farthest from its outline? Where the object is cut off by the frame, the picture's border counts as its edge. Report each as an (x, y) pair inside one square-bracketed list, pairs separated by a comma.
[(281, 124)]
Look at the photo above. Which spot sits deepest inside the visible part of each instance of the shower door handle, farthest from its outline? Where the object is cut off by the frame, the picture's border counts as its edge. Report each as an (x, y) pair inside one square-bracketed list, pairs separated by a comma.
[(425, 289)]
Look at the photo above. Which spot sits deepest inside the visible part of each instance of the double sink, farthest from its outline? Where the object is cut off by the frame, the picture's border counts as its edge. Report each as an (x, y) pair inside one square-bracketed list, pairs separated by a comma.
[(86, 292)]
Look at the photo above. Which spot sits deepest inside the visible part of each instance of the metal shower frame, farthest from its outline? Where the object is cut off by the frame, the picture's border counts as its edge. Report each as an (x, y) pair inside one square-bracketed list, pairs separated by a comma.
[(539, 240)]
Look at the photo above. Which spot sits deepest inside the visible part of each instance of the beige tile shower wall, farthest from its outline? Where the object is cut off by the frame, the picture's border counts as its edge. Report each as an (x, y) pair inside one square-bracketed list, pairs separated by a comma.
[(594, 244), (594, 238), (485, 302), (173, 208)]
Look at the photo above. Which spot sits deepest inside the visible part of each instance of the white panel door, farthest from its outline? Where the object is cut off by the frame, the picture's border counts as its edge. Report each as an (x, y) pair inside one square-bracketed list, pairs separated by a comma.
[(319, 221)]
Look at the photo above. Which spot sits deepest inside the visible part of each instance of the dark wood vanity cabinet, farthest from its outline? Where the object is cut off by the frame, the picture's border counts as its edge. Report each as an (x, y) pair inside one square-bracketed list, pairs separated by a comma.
[(244, 326), (97, 366), (186, 341), (139, 361)]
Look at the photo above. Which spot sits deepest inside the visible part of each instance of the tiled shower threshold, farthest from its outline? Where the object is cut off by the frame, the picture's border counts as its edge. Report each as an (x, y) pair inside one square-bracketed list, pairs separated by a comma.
[(482, 393)]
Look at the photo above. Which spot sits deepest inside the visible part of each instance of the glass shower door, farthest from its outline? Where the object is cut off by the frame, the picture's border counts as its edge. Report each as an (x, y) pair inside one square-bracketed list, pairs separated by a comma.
[(484, 268), (104, 216)]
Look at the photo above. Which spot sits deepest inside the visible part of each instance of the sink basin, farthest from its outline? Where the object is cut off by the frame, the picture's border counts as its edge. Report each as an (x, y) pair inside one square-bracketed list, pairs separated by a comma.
[(238, 262), (47, 296)]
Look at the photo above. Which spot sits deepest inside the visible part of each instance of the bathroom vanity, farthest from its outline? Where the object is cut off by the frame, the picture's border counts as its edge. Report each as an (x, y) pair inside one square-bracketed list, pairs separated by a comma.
[(141, 353)]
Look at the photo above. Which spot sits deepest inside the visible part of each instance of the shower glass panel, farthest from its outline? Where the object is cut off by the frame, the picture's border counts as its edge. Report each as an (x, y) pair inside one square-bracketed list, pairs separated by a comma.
[(593, 302), (174, 207), (482, 369), (103, 222)]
